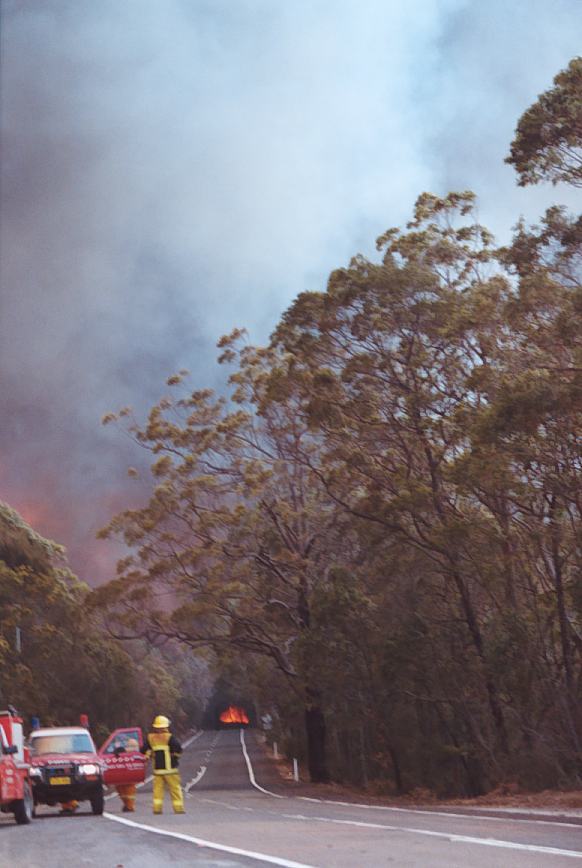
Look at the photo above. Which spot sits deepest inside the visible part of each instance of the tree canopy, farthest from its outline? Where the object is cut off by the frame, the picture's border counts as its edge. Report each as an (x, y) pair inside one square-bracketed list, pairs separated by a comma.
[(384, 508), (548, 141)]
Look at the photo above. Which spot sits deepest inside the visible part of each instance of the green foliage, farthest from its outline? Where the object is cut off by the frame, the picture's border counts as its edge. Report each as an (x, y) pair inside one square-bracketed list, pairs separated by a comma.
[(67, 664), (548, 141)]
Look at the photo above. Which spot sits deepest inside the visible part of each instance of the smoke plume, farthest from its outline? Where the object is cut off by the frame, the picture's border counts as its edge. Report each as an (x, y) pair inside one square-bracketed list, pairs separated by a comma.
[(175, 168)]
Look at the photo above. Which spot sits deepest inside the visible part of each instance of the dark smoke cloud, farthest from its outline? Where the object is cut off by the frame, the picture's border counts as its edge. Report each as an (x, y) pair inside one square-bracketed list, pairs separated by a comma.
[(173, 168)]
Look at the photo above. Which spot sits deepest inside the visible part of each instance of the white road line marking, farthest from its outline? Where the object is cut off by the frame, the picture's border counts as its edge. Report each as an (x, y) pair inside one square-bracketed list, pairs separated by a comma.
[(251, 772), (212, 845), (187, 743), (192, 738), (470, 816), (403, 810), (202, 769), (450, 836), (194, 781), (146, 781), (226, 805), (141, 784), (464, 839)]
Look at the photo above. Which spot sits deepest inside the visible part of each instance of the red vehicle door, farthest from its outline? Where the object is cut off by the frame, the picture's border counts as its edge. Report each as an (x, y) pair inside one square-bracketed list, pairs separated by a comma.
[(10, 781), (10, 778), (124, 764)]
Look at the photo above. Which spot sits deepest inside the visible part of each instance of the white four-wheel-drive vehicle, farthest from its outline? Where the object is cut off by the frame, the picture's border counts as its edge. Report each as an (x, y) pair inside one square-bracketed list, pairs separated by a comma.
[(67, 767)]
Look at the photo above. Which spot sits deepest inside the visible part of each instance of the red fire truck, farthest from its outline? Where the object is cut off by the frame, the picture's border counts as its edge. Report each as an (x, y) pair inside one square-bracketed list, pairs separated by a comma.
[(15, 789)]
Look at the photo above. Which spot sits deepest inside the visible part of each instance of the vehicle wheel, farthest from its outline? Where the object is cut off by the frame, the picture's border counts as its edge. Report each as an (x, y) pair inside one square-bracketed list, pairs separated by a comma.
[(23, 808), (97, 802)]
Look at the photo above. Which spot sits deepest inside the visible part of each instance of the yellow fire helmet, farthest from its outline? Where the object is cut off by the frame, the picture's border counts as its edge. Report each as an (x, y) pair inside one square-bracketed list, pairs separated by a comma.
[(161, 722)]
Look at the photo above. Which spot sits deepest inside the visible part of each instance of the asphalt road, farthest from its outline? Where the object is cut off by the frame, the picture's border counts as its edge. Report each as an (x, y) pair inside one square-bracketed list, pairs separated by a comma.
[(240, 813)]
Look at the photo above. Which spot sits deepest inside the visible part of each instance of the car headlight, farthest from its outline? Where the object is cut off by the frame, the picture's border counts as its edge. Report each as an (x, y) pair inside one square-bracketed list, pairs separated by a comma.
[(89, 769), (35, 772)]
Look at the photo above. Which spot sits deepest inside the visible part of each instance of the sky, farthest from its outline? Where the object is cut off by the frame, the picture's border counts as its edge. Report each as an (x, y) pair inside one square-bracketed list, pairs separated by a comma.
[(172, 169)]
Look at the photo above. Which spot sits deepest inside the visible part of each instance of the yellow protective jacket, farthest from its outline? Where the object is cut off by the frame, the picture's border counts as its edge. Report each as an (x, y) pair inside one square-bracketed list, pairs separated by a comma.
[(164, 749)]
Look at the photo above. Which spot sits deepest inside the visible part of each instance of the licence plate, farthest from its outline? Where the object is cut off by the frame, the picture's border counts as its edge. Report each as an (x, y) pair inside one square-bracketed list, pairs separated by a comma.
[(60, 781)]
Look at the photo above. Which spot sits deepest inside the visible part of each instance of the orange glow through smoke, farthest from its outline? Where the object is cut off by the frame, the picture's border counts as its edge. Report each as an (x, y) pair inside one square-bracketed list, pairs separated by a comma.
[(234, 715)]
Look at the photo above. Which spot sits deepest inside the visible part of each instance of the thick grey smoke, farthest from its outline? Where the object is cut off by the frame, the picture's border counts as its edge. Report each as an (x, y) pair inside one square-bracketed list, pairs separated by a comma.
[(173, 168)]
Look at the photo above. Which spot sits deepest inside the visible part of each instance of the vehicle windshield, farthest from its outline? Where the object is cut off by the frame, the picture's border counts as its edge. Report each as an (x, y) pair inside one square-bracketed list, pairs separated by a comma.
[(79, 742)]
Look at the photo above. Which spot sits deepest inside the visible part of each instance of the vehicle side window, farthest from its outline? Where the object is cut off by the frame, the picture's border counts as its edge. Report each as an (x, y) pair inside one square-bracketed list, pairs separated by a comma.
[(117, 745), (132, 742), (123, 742)]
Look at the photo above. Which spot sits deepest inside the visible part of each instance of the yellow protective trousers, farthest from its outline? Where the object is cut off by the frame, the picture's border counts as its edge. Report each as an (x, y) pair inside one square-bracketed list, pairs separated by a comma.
[(173, 784)]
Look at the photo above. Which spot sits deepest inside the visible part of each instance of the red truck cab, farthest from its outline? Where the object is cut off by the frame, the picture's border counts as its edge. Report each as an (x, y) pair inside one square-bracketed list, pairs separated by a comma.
[(15, 788)]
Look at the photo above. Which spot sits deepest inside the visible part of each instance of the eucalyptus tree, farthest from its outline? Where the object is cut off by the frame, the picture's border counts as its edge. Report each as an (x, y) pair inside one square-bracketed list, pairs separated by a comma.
[(535, 421), (385, 362), (445, 383), (548, 141), (237, 534)]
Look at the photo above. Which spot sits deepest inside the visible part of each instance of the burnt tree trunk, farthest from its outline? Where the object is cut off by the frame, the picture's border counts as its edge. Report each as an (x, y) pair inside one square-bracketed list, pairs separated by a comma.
[(315, 731)]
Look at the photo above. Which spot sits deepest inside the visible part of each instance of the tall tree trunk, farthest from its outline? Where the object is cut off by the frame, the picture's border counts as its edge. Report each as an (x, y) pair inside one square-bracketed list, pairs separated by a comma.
[(508, 555), (491, 688), (315, 731), (397, 771), (363, 762), (472, 769), (567, 654), (467, 606)]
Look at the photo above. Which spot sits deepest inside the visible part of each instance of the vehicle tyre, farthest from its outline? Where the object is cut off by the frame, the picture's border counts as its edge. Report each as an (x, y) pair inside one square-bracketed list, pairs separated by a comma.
[(98, 802), (23, 808)]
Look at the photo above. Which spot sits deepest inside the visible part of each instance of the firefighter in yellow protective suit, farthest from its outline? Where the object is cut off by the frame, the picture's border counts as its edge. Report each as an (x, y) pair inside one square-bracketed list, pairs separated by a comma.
[(164, 750)]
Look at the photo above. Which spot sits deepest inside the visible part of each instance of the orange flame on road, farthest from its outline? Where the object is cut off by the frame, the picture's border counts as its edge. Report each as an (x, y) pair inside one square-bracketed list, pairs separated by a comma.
[(234, 715)]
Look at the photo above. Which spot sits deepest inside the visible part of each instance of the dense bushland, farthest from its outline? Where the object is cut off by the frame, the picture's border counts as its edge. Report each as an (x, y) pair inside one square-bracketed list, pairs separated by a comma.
[(57, 662)]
